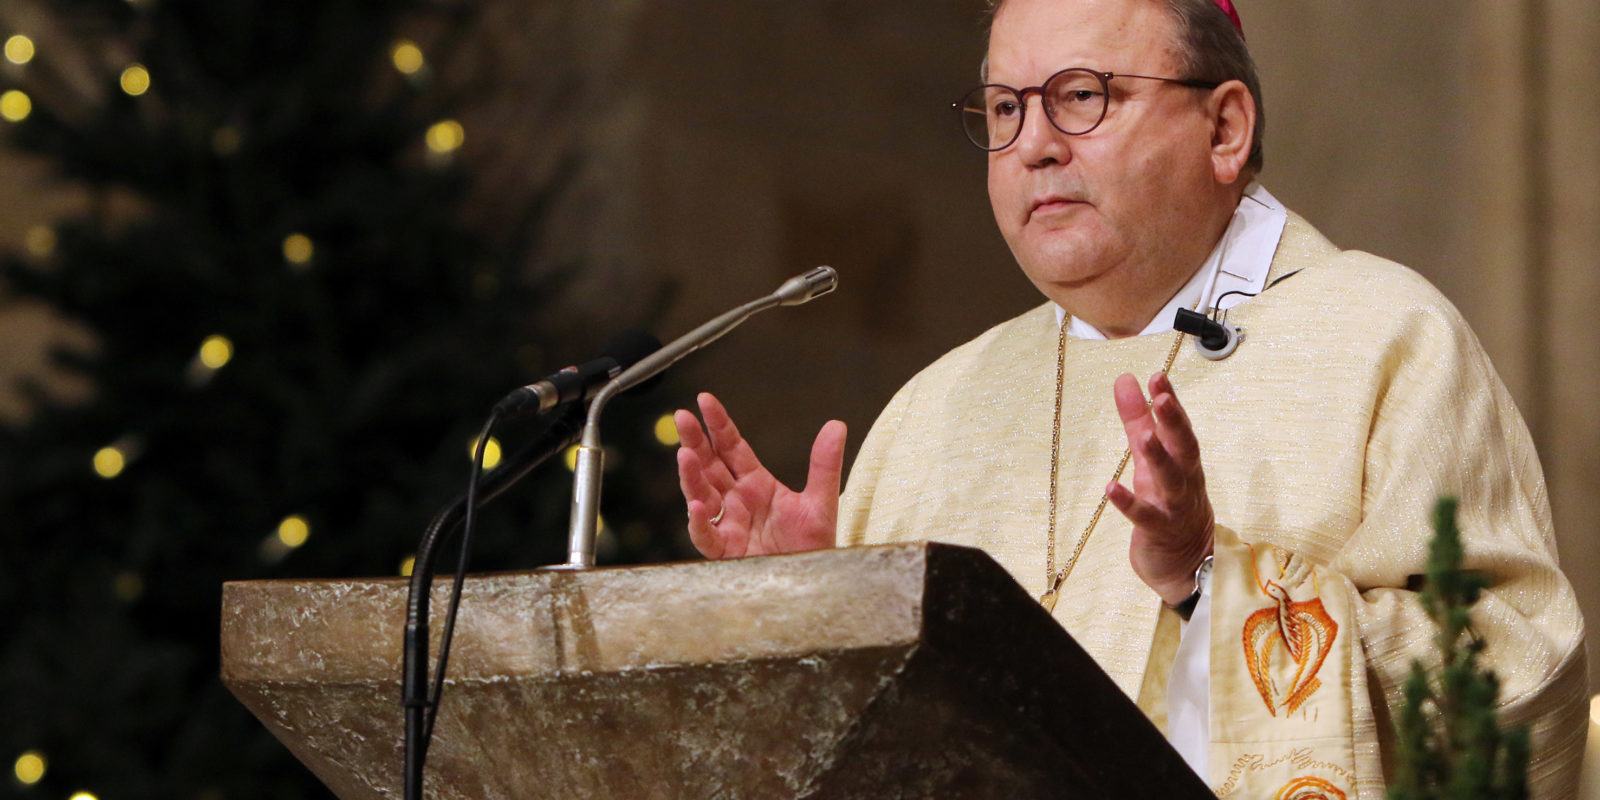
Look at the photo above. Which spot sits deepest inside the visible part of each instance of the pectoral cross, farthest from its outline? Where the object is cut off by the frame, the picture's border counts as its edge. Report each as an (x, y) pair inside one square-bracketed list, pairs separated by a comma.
[(1048, 599)]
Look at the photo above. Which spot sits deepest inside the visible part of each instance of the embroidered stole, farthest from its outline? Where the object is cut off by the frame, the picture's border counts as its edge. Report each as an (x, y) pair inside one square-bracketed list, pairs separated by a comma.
[(1287, 676)]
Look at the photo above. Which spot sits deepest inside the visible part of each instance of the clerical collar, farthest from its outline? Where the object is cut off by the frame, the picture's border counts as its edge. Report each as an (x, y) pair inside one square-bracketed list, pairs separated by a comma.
[(1239, 263)]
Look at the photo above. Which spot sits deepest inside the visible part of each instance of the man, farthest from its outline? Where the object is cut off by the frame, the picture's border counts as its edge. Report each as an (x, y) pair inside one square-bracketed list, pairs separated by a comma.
[(1121, 173)]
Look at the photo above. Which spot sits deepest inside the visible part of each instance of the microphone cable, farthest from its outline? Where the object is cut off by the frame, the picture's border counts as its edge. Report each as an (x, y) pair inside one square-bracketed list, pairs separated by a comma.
[(464, 552), (422, 706)]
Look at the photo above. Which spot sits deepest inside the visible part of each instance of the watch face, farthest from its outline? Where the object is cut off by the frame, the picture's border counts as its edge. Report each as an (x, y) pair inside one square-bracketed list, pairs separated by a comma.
[(1202, 576)]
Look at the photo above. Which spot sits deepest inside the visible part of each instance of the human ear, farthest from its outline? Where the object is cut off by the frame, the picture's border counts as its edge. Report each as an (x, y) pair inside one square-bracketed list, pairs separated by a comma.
[(1233, 119)]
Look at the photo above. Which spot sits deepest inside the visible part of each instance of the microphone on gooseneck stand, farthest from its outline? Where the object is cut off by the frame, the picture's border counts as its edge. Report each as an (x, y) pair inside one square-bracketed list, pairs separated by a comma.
[(558, 391), (581, 381), (586, 474), (630, 361)]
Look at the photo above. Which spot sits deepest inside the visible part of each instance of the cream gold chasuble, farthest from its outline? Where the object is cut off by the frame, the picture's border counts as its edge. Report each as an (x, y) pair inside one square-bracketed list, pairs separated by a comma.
[(1357, 398)]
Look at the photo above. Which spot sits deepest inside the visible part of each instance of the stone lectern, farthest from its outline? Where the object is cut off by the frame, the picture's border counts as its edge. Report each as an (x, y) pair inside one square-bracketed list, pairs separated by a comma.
[(882, 672)]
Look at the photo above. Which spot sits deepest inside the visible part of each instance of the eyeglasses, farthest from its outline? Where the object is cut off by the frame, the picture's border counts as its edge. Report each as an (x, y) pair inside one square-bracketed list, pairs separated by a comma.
[(1075, 101)]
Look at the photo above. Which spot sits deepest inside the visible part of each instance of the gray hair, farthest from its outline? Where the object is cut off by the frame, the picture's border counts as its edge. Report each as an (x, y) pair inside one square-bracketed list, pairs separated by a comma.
[(1209, 48)]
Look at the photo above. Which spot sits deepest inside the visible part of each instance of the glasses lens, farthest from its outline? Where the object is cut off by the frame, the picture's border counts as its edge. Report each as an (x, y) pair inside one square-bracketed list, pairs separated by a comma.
[(991, 116), (1075, 100)]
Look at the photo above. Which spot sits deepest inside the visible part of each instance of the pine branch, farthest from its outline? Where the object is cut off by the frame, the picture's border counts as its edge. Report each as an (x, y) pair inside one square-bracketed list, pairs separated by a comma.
[(1450, 745)]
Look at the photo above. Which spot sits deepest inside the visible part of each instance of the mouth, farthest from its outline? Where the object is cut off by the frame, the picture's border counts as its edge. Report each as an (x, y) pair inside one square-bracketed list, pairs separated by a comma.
[(1052, 204)]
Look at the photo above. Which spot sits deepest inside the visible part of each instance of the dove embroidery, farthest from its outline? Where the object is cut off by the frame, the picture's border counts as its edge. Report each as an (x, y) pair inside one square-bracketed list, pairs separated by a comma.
[(1302, 630)]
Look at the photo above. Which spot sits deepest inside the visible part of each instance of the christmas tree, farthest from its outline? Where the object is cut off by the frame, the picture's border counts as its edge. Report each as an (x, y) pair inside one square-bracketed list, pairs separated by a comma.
[(297, 336), (1450, 743)]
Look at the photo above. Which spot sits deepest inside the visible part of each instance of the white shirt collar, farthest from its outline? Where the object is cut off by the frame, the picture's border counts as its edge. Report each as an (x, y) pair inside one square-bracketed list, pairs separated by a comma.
[(1239, 263)]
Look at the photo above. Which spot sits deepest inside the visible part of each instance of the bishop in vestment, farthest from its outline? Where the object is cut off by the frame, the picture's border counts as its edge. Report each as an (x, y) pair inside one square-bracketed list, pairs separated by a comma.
[(1248, 573)]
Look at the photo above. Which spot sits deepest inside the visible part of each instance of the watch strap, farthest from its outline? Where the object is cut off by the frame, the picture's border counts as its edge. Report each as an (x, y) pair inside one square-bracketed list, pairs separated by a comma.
[(1202, 576)]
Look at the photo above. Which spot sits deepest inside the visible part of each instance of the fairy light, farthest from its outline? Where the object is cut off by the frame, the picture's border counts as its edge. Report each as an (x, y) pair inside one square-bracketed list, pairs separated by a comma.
[(29, 767), (485, 284), (135, 80), (216, 351), (40, 240), (293, 531), (225, 140), (15, 105), (109, 461), (297, 249), (19, 49), (82, 795), (667, 431), (491, 452), (407, 57), (127, 586), (445, 136), (570, 458)]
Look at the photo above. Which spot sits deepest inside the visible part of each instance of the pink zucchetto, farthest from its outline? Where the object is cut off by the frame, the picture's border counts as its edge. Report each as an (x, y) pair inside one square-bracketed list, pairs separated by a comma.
[(1233, 13)]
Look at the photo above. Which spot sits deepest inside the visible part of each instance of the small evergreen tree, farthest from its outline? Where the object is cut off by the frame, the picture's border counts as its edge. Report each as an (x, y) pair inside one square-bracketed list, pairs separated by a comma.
[(1450, 743)]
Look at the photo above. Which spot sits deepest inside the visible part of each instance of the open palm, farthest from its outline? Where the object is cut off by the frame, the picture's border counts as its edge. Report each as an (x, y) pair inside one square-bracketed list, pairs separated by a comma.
[(736, 507)]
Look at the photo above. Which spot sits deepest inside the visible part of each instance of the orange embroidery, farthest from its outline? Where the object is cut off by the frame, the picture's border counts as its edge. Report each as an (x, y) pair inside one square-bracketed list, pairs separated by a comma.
[(1309, 788), (1300, 627)]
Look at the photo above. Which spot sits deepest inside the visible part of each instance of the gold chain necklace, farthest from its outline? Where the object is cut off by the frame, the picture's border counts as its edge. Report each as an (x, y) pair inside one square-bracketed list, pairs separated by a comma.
[(1053, 579)]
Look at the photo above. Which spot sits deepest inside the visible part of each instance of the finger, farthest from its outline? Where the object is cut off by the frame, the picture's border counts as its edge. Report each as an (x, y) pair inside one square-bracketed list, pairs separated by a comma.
[(1133, 410), (1173, 425), (1131, 405), (731, 535), (693, 482), (705, 536), (827, 460), (692, 436), (1140, 513), (732, 447), (1169, 478)]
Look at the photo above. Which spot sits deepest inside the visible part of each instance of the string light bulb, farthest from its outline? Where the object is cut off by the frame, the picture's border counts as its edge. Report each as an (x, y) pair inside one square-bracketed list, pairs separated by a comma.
[(491, 452), (216, 351), (127, 586), (109, 462), (446, 136), (29, 767), (485, 284), (15, 105), (666, 431), (293, 531), (19, 49), (297, 249), (82, 795), (135, 80), (407, 57), (225, 140), (40, 240)]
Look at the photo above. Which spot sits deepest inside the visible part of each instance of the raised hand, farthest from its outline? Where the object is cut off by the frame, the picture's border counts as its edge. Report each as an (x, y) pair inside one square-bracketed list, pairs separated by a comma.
[(736, 507), (1168, 505)]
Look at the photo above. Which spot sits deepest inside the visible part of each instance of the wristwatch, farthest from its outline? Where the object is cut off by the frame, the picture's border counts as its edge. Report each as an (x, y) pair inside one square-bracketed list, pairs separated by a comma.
[(1202, 580)]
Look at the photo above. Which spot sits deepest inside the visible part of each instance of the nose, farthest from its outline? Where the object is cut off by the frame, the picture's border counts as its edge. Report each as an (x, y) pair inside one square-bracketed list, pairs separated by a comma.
[(1040, 143)]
